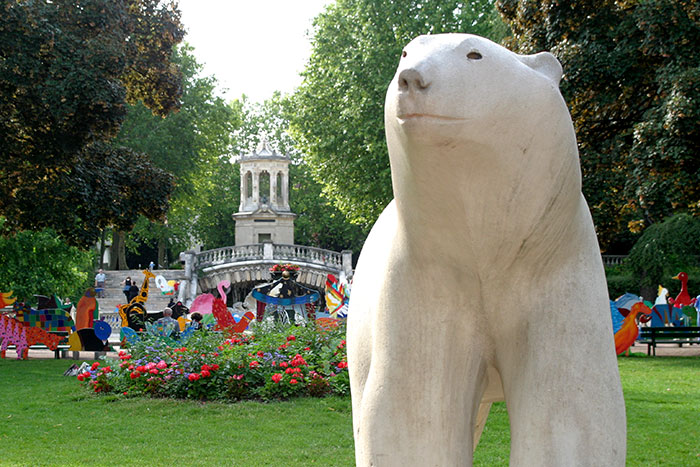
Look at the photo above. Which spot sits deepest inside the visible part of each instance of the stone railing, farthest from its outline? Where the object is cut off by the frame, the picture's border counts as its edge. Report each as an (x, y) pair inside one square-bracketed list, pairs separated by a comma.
[(307, 254), (270, 252), (229, 254), (613, 260)]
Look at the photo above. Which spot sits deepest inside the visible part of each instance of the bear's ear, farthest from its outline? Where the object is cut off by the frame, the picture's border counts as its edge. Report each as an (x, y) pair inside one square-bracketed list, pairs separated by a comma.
[(544, 63)]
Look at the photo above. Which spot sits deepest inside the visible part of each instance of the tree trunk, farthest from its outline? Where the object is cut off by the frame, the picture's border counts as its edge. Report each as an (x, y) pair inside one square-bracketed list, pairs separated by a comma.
[(113, 258), (122, 252), (162, 257), (100, 260)]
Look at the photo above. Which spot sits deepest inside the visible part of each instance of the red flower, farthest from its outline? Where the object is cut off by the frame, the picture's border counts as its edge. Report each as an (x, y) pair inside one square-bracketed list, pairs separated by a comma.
[(205, 367), (277, 377), (283, 364), (107, 369), (307, 348), (81, 377), (343, 365), (293, 381), (193, 376), (94, 366), (205, 373), (260, 354), (291, 338), (254, 364), (153, 371), (135, 374), (214, 367), (289, 371)]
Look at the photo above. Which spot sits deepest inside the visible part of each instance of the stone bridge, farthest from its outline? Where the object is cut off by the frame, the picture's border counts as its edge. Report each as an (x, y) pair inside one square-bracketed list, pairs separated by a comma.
[(248, 265)]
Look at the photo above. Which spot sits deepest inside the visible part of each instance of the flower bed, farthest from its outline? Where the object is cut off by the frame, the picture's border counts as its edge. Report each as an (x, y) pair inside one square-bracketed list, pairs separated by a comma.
[(271, 363)]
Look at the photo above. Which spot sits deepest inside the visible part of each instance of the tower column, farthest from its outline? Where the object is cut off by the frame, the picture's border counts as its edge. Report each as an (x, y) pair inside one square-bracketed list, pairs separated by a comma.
[(273, 190), (256, 187), (285, 190)]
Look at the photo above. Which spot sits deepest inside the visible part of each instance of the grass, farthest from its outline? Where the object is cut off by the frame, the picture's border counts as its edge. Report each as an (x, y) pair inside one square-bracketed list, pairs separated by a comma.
[(47, 419)]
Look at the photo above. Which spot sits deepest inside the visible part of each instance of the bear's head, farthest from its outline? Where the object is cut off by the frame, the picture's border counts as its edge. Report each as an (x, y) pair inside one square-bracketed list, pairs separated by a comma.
[(480, 136), (465, 86)]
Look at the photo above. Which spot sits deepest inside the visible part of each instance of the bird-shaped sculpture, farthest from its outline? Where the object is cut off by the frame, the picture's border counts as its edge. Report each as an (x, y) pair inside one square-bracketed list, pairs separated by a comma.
[(224, 319), (628, 333), (204, 303), (683, 297), (6, 299)]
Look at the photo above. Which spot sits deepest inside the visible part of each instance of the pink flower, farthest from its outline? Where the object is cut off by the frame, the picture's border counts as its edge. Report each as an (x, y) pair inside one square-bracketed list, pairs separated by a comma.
[(277, 377), (153, 371), (150, 366), (162, 365)]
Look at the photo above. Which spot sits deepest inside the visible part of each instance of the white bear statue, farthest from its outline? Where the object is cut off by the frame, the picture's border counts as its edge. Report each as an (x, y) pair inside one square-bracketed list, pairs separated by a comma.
[(482, 280)]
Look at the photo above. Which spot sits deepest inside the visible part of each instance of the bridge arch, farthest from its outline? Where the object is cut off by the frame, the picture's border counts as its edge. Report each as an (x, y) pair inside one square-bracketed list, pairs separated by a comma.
[(248, 265)]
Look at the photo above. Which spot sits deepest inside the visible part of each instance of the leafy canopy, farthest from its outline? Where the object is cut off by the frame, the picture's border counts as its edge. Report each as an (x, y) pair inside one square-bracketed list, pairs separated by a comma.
[(631, 79), (66, 71), (338, 111)]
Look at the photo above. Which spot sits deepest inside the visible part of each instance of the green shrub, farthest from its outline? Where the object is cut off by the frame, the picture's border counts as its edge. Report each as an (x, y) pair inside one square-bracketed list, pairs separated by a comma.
[(665, 249)]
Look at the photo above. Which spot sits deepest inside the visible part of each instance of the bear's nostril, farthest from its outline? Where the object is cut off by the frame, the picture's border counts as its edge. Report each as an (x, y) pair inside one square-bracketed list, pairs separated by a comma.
[(412, 79)]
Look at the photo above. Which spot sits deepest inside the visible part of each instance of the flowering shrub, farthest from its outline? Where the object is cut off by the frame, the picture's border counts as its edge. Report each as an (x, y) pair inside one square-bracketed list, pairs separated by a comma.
[(273, 362), (284, 267)]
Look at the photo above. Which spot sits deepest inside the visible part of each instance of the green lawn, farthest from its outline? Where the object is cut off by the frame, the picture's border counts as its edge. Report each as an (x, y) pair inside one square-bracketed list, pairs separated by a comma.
[(47, 419)]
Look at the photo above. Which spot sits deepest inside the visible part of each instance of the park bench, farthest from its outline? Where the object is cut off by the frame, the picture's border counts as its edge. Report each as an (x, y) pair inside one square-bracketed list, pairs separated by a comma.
[(668, 335)]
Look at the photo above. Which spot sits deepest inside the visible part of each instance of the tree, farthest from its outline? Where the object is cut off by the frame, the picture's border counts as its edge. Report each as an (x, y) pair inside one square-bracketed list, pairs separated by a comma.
[(40, 263), (192, 144), (631, 75), (66, 70), (338, 119)]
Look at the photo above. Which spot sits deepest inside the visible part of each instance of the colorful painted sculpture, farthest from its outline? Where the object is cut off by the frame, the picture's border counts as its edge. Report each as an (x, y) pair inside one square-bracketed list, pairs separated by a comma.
[(166, 287), (204, 303), (87, 310), (57, 319), (337, 297), (627, 334), (133, 314), (14, 332), (683, 297), (6, 299), (225, 321)]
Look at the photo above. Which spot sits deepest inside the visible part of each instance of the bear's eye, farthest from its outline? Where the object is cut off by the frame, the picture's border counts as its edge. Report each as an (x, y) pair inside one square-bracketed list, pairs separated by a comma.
[(473, 55), (403, 54)]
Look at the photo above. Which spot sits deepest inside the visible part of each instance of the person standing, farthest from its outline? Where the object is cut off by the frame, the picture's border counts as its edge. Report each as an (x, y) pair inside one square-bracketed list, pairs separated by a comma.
[(100, 278), (151, 266), (126, 286)]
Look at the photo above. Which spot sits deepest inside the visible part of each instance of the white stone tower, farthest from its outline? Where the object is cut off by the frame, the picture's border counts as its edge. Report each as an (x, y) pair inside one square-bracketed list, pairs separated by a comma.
[(264, 214)]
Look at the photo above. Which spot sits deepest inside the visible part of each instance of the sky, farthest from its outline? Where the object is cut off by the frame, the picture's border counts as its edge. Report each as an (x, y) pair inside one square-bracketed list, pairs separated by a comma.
[(252, 47)]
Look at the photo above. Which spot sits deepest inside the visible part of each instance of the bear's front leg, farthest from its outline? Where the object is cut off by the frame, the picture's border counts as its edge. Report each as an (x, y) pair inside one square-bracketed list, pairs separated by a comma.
[(426, 375), (561, 383)]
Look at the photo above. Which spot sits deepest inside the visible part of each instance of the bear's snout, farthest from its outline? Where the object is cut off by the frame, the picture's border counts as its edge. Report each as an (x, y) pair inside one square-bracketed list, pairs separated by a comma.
[(412, 80)]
